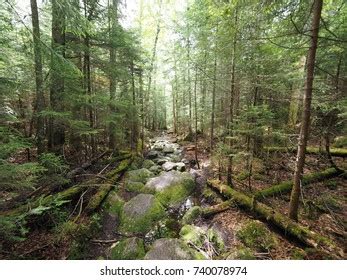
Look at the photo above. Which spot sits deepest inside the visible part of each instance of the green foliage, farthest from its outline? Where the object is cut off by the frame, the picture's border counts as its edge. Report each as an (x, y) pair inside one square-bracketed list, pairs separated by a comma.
[(19, 176), (256, 236), (12, 229)]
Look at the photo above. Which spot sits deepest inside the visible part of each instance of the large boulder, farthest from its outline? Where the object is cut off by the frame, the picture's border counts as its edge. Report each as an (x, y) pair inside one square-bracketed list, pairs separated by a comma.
[(140, 175), (134, 186), (147, 163), (167, 166), (172, 187), (172, 249), (152, 154), (168, 149), (128, 249), (141, 213), (155, 169)]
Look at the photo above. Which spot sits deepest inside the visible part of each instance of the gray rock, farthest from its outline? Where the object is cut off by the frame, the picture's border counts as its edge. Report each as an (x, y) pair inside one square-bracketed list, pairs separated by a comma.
[(141, 213), (139, 205), (168, 179), (167, 166), (170, 249), (180, 166), (161, 161), (168, 150), (175, 158), (152, 154)]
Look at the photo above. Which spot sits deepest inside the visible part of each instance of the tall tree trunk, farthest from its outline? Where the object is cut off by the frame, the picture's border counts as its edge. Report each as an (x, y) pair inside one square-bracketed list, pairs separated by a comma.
[(134, 115), (113, 82), (142, 113), (213, 96), (231, 105), (40, 99), (154, 52), (196, 116), (189, 83), (304, 131), (56, 137), (295, 98)]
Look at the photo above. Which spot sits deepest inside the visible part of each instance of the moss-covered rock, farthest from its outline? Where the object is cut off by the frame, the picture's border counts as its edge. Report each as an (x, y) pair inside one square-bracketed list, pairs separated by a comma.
[(113, 204), (193, 234), (242, 253), (134, 186), (256, 236), (191, 215), (172, 249), (200, 237), (137, 163), (172, 187), (155, 169), (141, 213), (148, 164), (128, 249), (140, 175)]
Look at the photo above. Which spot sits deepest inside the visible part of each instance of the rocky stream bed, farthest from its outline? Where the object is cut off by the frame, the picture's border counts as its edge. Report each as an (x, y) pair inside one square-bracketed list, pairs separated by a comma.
[(151, 214)]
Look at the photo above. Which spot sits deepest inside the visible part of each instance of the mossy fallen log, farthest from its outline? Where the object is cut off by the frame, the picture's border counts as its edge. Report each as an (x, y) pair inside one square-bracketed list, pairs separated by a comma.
[(336, 152), (268, 214), (112, 177), (286, 186), (215, 209), (70, 193)]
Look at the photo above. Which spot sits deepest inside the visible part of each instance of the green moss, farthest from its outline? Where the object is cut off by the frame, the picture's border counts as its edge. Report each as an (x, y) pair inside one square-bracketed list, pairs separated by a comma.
[(286, 186), (211, 196), (139, 175), (328, 202), (143, 223), (148, 164), (137, 187), (191, 215), (298, 254), (215, 238), (137, 163), (192, 234), (128, 249), (176, 193), (256, 236), (113, 204), (242, 175), (331, 184), (242, 253)]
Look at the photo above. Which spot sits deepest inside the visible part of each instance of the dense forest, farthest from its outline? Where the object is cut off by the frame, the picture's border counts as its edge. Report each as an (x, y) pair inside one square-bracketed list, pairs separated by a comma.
[(168, 129)]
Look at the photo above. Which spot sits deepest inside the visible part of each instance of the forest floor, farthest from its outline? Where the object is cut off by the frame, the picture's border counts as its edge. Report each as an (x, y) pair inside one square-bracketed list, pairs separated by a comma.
[(328, 218), (323, 208)]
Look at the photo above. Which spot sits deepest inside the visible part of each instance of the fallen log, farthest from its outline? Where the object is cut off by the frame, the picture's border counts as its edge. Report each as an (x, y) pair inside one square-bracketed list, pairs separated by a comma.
[(70, 193), (215, 209), (264, 212), (336, 152), (96, 200), (286, 186)]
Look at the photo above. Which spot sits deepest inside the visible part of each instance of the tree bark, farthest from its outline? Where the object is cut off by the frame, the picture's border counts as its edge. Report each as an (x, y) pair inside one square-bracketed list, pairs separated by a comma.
[(56, 137), (304, 131), (213, 95), (40, 99), (113, 81)]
